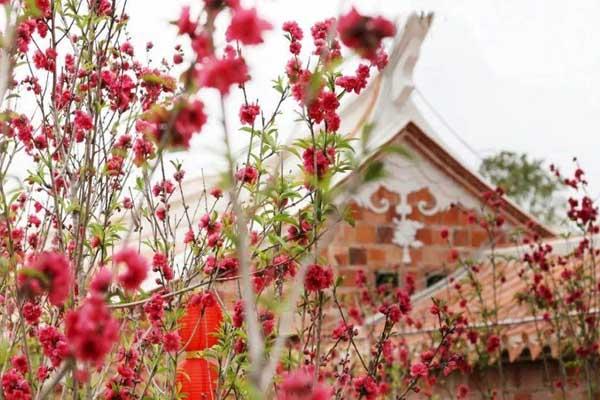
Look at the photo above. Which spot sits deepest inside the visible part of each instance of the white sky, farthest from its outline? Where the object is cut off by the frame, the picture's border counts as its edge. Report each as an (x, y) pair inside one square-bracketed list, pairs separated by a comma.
[(511, 74)]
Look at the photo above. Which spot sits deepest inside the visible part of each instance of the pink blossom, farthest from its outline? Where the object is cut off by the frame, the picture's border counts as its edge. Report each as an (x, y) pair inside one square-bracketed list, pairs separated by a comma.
[(14, 386), (91, 330), (247, 27), (419, 369), (247, 174), (300, 385), (221, 73), (54, 277), (136, 268), (364, 34), (318, 278), (190, 119), (248, 113), (171, 342), (366, 387), (54, 345)]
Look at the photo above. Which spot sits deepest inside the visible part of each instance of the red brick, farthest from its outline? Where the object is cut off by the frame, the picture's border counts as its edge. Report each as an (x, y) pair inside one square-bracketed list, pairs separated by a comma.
[(349, 276), (348, 234), (357, 256), (416, 256), (461, 237), (385, 234), (478, 237), (341, 258), (425, 235), (463, 217), (451, 216), (376, 218), (365, 233), (376, 256), (433, 255)]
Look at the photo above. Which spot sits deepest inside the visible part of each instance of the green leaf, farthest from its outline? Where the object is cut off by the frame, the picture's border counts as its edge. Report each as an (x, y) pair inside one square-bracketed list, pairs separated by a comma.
[(398, 149), (366, 132), (375, 171)]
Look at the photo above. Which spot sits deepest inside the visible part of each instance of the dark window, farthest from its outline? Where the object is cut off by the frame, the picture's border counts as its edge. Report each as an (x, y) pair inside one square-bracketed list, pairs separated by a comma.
[(433, 279), (390, 279)]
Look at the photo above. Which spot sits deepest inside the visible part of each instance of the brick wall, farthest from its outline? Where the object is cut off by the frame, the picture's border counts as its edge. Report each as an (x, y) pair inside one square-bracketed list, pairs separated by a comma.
[(524, 380), (369, 244)]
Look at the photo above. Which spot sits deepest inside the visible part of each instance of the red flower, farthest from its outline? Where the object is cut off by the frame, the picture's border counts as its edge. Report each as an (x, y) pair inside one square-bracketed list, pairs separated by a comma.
[(493, 343), (318, 278), (45, 60), (267, 319), (462, 391), (247, 27), (154, 308), (216, 193), (83, 121), (142, 149), (54, 345), (91, 330), (32, 313), (228, 266), (318, 161), (51, 272), (366, 387), (284, 264), (364, 34), (103, 7), (190, 119), (202, 45), (392, 312), (293, 29), (248, 113), (24, 32), (342, 331), (247, 174), (444, 233), (172, 342), (300, 385), (19, 363), (214, 6), (211, 226), (185, 25), (221, 73), (14, 386), (327, 47), (419, 369), (101, 281), (238, 314), (136, 268)]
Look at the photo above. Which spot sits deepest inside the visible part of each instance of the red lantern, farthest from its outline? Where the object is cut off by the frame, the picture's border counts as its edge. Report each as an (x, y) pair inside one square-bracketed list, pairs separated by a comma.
[(197, 379), (200, 325)]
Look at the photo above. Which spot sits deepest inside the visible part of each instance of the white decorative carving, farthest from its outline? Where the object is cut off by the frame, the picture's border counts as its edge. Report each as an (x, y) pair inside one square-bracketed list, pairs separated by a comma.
[(405, 176), (405, 236)]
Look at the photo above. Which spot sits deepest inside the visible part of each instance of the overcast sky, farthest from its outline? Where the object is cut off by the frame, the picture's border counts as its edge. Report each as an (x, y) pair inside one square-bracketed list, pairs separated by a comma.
[(510, 74)]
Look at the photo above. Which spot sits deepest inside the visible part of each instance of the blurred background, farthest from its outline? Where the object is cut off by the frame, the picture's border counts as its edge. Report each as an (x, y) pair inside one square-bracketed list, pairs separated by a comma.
[(495, 75)]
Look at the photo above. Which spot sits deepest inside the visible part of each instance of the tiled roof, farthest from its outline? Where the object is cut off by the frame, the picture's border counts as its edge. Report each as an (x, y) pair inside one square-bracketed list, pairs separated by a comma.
[(519, 327)]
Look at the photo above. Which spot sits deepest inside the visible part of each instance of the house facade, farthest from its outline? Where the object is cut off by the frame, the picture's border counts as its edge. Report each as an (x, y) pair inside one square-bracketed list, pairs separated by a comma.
[(427, 188)]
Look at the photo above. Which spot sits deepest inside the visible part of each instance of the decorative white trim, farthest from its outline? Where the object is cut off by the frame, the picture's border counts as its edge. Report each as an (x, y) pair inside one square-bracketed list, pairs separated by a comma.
[(405, 176)]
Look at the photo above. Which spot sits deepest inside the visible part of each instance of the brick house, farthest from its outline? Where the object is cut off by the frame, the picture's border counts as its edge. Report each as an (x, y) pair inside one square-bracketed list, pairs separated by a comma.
[(398, 221), (427, 187)]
